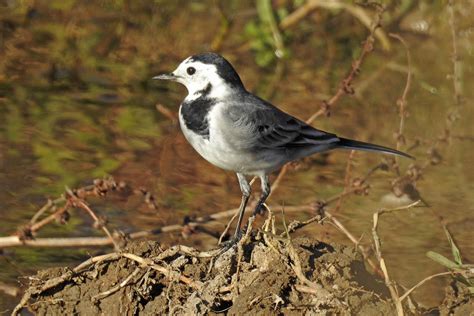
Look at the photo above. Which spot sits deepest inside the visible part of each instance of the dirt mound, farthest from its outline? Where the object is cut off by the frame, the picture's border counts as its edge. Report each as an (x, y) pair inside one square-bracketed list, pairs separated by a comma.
[(458, 300), (258, 278)]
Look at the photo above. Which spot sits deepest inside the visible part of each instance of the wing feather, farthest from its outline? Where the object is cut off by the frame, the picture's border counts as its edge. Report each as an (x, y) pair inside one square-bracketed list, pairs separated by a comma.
[(270, 128), (259, 126)]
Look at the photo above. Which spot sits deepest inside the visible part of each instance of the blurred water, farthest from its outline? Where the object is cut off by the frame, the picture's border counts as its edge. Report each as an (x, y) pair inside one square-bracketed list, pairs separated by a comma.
[(77, 102)]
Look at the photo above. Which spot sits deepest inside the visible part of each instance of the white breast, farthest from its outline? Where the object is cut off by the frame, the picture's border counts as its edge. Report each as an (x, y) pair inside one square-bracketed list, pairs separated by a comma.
[(218, 149)]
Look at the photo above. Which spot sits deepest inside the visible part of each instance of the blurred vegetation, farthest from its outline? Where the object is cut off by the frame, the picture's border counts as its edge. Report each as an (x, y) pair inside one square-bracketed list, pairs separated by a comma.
[(464, 273), (74, 93), (77, 102), (74, 80), (75, 90)]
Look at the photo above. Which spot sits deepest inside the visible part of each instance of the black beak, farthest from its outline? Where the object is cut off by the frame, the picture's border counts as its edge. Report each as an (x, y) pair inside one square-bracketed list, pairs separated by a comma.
[(169, 76)]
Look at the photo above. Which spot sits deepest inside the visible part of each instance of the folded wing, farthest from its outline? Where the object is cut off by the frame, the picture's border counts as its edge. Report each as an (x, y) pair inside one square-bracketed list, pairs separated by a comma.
[(267, 127)]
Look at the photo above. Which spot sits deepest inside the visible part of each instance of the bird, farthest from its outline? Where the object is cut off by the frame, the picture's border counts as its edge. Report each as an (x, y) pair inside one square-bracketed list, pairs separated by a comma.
[(236, 130)]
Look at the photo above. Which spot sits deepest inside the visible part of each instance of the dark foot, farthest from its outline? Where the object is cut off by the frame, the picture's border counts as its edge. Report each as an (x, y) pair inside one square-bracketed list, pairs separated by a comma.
[(226, 245), (259, 210)]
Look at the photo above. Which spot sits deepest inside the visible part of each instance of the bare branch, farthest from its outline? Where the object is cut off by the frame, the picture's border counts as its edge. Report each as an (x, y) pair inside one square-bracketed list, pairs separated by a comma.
[(402, 101), (378, 251)]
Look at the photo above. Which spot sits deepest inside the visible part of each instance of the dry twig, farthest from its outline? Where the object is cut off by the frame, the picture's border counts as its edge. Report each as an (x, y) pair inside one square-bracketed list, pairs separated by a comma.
[(10, 290), (118, 286), (402, 101), (408, 292), (378, 252), (452, 115), (75, 201), (224, 28), (166, 272), (357, 11), (347, 180), (457, 65), (70, 274)]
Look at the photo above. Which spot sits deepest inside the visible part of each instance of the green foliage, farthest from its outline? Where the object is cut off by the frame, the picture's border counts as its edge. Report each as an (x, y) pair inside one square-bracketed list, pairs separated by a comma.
[(264, 36), (442, 260), (70, 139), (464, 271), (261, 43), (63, 5), (70, 110), (15, 123), (138, 122)]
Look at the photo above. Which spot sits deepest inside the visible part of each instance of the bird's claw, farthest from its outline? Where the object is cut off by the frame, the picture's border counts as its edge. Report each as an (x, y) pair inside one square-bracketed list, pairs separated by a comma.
[(259, 209), (226, 245)]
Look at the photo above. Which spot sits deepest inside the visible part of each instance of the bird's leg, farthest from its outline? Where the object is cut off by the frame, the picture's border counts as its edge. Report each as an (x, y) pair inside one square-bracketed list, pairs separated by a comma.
[(266, 189), (245, 188)]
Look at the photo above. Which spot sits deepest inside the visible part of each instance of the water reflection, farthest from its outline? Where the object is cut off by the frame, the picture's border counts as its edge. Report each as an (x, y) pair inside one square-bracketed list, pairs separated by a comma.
[(77, 103)]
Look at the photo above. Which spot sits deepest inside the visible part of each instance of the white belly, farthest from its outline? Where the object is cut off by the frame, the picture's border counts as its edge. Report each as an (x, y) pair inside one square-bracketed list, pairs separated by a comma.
[(218, 150)]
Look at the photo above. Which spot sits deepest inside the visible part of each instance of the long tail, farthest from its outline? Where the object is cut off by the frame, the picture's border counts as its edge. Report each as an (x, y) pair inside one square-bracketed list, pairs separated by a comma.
[(355, 144)]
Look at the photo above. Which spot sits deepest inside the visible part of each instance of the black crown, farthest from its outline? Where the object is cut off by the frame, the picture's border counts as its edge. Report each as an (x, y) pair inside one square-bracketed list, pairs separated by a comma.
[(224, 68)]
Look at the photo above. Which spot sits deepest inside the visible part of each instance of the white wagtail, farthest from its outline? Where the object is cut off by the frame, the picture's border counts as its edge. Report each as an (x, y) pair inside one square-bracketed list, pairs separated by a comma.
[(238, 131)]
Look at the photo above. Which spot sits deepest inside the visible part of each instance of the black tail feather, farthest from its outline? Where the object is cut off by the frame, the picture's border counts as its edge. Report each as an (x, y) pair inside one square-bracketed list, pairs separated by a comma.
[(357, 145)]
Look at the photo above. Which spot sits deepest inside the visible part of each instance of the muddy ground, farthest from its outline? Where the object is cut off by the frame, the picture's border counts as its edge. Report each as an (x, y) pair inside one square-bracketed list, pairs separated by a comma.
[(274, 276)]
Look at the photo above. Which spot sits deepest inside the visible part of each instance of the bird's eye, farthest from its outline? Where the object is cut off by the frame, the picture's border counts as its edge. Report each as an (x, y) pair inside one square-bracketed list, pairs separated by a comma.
[(191, 71)]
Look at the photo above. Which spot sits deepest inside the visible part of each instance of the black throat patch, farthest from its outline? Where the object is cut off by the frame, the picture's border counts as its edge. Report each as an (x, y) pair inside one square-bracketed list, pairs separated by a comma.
[(195, 112), (204, 92)]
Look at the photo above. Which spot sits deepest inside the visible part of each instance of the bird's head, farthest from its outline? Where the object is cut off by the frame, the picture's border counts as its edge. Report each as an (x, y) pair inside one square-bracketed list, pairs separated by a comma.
[(206, 74)]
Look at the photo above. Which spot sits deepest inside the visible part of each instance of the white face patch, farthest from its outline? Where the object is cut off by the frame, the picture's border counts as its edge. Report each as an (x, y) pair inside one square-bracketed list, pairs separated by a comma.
[(199, 78)]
